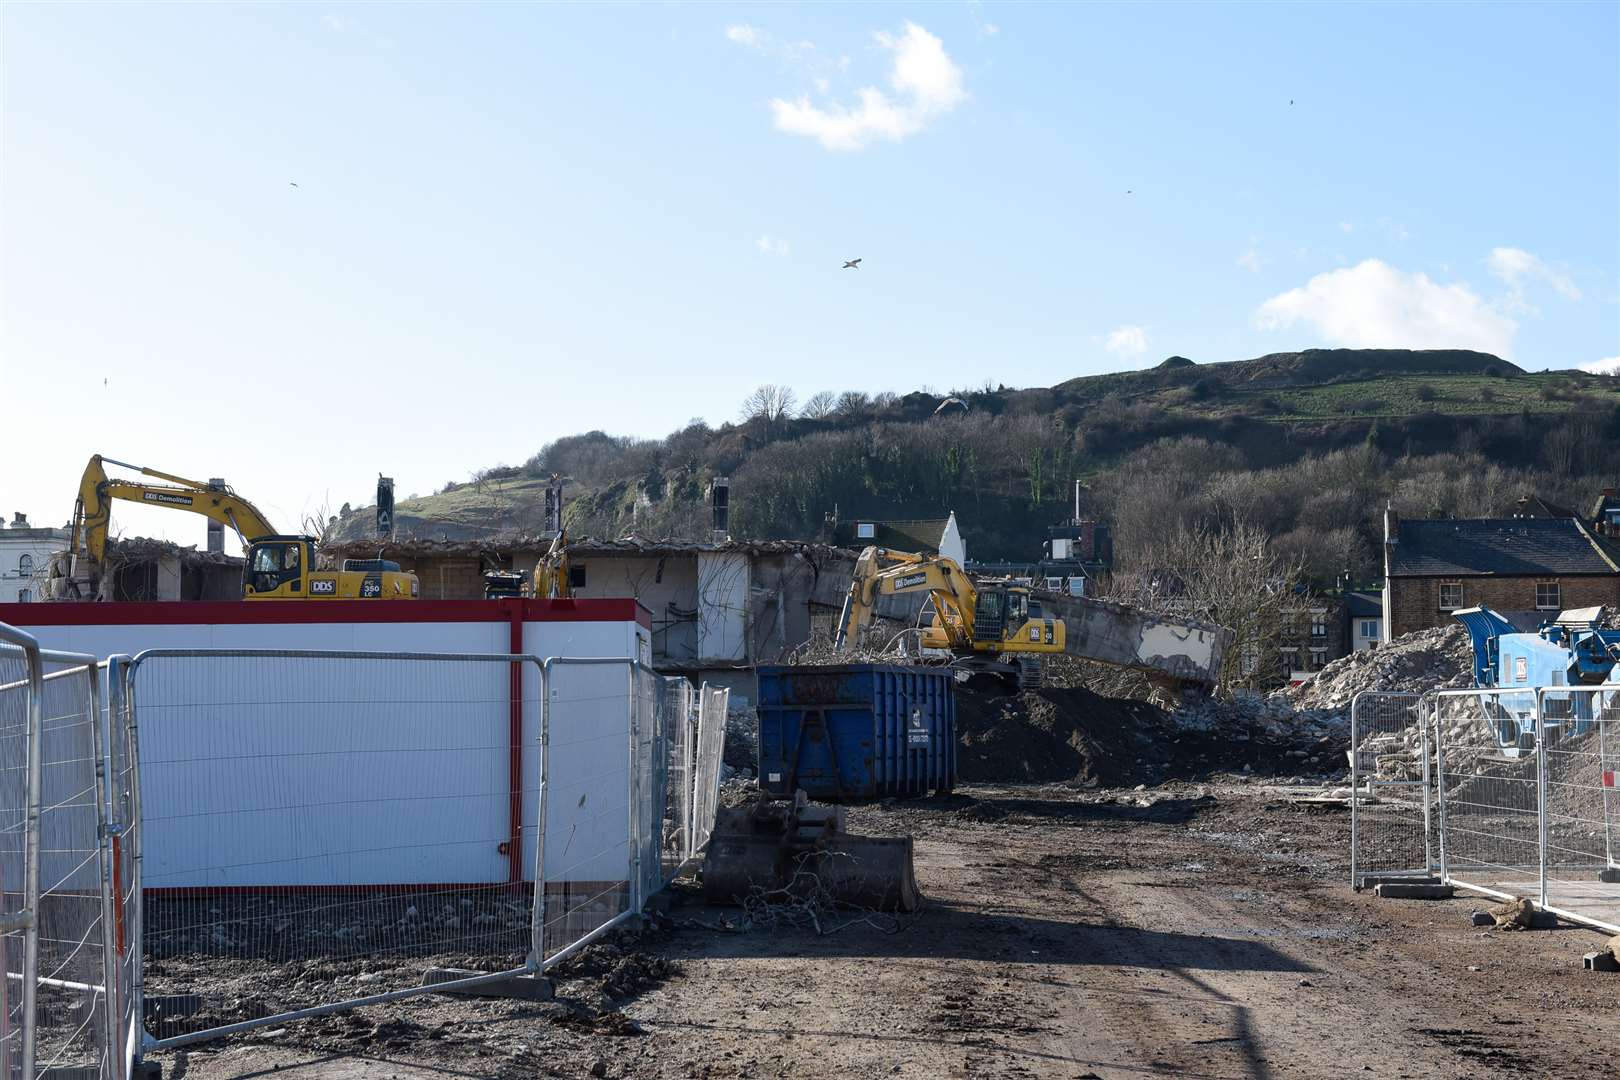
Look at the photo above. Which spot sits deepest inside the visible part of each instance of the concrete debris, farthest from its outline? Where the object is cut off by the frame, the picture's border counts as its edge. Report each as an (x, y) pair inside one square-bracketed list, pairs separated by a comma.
[(1274, 715), (1439, 658)]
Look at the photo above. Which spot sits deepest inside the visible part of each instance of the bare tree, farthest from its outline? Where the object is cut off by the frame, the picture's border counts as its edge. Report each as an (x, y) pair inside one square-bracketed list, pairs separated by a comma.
[(852, 403), (770, 403), (1232, 576), (820, 406)]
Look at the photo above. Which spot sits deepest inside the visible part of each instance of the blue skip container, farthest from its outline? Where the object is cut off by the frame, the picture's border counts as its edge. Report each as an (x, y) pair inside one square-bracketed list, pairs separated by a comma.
[(857, 731)]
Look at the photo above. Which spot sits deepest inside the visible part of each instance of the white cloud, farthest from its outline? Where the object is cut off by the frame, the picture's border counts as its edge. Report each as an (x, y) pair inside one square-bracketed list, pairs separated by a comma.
[(1250, 260), (773, 245), (927, 84), (1608, 366), (1517, 267), (1347, 226), (1127, 341), (743, 34), (335, 23), (1375, 305)]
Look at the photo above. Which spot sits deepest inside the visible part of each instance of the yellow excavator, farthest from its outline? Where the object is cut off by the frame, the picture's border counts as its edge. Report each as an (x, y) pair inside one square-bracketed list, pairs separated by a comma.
[(984, 626), (551, 573), (278, 567)]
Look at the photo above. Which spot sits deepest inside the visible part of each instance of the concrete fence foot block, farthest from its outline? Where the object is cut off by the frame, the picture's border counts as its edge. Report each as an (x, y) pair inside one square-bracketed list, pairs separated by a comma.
[(519, 988), (1372, 881), (1600, 961), (1610, 876), (1391, 890)]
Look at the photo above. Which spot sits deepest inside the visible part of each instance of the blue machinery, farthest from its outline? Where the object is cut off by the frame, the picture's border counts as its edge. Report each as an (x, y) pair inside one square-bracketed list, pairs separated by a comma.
[(1569, 651)]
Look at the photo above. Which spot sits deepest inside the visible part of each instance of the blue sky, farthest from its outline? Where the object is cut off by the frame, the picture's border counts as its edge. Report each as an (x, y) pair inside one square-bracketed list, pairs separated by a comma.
[(513, 223)]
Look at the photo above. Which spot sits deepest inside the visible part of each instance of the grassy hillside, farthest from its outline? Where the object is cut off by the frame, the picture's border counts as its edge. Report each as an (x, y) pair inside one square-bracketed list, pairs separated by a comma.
[(1006, 459)]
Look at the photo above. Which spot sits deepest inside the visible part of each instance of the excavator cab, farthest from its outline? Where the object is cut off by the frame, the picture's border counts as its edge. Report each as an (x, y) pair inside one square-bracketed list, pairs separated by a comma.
[(283, 568), (275, 567)]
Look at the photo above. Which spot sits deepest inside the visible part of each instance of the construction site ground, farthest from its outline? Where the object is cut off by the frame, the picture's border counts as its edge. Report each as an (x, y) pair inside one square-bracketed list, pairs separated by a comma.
[(1192, 930)]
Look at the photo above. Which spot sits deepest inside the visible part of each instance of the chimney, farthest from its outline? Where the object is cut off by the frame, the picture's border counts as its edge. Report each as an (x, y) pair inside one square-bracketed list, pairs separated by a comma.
[(20, 520), (554, 505), (216, 529), (720, 503), (1077, 502), (385, 507), (1392, 525)]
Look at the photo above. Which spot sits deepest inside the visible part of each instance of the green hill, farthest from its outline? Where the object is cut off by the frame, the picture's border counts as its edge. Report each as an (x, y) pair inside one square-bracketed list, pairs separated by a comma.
[(1006, 459)]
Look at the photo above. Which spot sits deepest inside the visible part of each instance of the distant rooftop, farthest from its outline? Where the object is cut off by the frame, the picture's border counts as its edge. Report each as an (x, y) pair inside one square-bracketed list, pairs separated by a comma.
[(1510, 547)]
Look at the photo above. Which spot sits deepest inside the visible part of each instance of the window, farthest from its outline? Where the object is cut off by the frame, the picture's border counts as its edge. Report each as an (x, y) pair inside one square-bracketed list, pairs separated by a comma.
[(25, 566), (1547, 596), (576, 575), (1318, 659), (1451, 595), (1319, 624), (865, 530), (1369, 628)]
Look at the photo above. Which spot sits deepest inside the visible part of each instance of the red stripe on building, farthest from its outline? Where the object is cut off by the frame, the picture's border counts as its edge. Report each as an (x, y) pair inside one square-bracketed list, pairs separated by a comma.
[(276, 612)]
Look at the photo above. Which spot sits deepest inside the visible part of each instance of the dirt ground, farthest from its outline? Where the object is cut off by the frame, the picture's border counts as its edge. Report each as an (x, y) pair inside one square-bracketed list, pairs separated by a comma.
[(1187, 930)]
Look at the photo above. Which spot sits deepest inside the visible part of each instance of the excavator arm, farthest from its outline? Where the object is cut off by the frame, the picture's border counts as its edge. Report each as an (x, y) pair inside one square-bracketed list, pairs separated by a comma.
[(551, 573), (92, 514), (879, 572)]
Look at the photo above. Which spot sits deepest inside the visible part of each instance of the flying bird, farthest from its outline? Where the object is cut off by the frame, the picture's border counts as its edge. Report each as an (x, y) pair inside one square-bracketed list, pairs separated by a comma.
[(853, 264), (292, 183)]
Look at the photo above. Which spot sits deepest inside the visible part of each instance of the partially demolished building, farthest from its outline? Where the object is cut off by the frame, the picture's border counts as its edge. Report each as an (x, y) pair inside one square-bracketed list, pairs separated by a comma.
[(718, 609)]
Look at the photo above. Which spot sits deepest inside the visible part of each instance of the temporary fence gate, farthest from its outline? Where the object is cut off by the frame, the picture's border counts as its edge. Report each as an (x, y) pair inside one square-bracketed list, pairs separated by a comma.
[(308, 831), (287, 834), (1390, 787), (1528, 799), (60, 998)]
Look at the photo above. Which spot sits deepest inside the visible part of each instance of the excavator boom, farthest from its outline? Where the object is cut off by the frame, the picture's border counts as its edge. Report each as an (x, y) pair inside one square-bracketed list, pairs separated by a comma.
[(278, 567), (92, 515)]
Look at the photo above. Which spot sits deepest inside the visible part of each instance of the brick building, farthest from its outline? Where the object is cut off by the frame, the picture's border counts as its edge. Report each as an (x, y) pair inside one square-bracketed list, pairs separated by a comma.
[(1528, 566)]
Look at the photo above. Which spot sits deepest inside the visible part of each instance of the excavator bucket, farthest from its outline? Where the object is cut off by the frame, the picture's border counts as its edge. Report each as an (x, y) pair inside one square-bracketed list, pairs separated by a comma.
[(780, 852)]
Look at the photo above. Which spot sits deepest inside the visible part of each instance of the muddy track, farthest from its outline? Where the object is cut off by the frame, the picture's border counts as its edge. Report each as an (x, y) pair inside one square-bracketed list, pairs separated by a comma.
[(1185, 931)]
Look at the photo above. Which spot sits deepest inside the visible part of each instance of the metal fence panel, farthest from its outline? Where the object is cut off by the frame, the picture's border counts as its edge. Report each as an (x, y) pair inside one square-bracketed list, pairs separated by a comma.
[(711, 743), (21, 693), (73, 1013), (1489, 790), (60, 990), (317, 828), (1390, 782), (1580, 767), (591, 848)]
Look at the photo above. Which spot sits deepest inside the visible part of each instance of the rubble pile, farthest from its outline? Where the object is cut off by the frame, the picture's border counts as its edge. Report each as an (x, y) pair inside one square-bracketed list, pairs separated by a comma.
[(1272, 716), (1441, 658), (742, 743)]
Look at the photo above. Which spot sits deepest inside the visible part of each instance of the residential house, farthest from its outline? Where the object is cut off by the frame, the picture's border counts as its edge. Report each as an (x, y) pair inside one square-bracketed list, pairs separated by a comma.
[(928, 536), (1535, 565), (1364, 612), (25, 555)]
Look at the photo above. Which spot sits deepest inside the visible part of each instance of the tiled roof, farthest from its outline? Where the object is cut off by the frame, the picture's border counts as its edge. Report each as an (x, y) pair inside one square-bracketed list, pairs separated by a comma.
[(1512, 547)]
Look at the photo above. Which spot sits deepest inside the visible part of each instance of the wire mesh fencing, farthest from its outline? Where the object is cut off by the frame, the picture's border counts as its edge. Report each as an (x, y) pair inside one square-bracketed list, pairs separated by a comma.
[(600, 803), (1489, 790), (1580, 768), (712, 706), (60, 995), (21, 691), (1391, 779), (317, 829)]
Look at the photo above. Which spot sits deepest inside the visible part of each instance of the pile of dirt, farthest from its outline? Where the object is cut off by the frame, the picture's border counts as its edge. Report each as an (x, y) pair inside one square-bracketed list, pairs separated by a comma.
[(1440, 658), (1052, 735), (1073, 736)]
